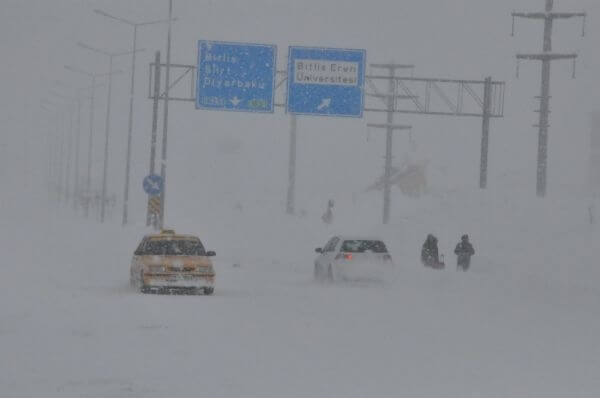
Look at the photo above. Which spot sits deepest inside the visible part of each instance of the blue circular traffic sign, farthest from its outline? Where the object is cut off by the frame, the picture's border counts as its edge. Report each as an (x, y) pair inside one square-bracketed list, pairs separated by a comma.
[(153, 184)]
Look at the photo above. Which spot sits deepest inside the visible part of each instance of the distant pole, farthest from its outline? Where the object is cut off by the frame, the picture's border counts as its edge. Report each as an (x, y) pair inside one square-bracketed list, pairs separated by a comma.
[(61, 158), (546, 57), (129, 129), (163, 166), (389, 126), (69, 154), (88, 179), (542, 162), (156, 98), (76, 191), (290, 203), (106, 138), (388, 147), (485, 132)]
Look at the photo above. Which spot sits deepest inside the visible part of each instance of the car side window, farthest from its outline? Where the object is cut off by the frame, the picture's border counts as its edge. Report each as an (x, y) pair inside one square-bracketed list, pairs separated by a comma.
[(140, 249)]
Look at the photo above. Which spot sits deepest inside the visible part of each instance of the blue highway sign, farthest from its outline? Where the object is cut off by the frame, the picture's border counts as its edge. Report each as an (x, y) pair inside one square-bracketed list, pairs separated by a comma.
[(236, 76), (153, 184), (326, 81)]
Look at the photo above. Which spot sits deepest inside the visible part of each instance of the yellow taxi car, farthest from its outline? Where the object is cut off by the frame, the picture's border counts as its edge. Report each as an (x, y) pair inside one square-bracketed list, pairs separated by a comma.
[(172, 263)]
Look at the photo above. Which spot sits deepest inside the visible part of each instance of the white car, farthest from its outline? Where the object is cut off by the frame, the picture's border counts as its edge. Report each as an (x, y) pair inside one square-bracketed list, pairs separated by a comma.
[(347, 258)]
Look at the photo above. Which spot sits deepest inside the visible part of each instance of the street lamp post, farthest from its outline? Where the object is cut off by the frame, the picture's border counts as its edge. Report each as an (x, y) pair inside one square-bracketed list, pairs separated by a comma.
[(88, 181), (110, 56), (135, 25), (68, 126)]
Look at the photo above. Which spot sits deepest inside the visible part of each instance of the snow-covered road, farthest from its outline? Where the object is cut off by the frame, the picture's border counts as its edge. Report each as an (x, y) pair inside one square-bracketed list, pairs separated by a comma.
[(72, 327)]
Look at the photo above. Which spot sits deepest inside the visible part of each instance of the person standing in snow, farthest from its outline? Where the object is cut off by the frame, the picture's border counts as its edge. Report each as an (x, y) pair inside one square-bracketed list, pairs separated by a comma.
[(464, 250), (327, 217), (429, 252)]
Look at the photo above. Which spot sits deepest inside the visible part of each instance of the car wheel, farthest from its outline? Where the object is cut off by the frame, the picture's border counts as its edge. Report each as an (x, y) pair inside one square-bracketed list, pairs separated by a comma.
[(330, 273), (208, 291)]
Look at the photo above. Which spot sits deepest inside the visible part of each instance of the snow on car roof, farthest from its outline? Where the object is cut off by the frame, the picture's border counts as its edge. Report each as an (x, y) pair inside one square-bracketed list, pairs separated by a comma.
[(171, 236), (351, 237)]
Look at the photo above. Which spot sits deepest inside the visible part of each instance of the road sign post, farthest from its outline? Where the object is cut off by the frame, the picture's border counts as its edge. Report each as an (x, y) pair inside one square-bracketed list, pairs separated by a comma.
[(326, 81), (236, 77)]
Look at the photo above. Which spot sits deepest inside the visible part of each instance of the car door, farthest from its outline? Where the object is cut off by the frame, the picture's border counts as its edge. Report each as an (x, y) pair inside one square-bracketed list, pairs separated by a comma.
[(328, 254), (136, 266)]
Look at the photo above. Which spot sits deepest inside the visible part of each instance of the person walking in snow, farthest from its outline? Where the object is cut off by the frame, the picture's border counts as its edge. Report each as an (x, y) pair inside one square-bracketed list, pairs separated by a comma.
[(429, 252), (464, 250)]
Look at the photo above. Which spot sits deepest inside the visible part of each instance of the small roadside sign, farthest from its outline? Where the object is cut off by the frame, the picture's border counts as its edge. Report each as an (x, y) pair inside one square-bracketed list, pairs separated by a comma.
[(153, 184)]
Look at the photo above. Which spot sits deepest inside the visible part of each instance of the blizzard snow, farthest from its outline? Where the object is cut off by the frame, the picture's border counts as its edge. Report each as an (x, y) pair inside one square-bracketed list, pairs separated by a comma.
[(509, 327), (524, 321)]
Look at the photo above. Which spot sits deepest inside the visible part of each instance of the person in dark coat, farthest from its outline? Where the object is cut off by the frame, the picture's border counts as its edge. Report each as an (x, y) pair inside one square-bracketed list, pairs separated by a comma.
[(429, 252), (464, 250)]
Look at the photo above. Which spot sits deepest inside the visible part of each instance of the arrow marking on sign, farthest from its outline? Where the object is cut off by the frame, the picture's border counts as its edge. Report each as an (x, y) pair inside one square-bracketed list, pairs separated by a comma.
[(325, 102), (235, 101)]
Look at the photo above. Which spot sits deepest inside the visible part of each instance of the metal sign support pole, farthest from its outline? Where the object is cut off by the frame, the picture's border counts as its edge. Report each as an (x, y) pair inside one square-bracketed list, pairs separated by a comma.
[(485, 132), (154, 127), (163, 165), (292, 166)]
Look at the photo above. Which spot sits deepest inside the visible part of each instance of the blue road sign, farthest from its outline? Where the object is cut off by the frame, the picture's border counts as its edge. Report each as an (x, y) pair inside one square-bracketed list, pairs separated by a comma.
[(153, 184), (236, 76), (326, 81)]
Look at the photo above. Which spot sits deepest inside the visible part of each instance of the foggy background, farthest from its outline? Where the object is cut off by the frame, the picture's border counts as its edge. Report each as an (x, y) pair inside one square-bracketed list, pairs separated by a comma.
[(522, 322), (240, 155)]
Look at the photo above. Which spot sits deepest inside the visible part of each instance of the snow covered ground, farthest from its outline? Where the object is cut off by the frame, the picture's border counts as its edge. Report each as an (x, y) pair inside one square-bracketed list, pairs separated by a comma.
[(523, 323)]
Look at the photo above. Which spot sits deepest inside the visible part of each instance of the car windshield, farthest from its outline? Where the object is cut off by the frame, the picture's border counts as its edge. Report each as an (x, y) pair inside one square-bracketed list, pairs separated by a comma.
[(361, 246), (174, 247)]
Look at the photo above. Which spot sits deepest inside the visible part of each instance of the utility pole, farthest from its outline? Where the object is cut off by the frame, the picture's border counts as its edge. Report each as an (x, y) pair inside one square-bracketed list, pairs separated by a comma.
[(391, 98), (546, 57), (291, 193), (163, 165)]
